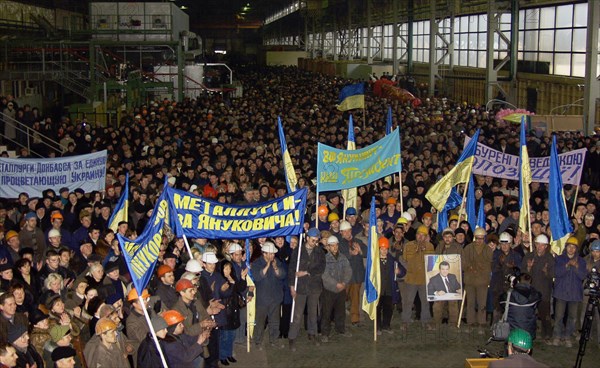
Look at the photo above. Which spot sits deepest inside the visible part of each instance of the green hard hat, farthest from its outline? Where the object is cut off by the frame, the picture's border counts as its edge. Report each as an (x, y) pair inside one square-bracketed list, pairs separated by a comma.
[(520, 338)]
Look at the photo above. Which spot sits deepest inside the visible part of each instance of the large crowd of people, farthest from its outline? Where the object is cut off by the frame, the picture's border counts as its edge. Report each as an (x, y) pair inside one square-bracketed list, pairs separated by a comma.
[(67, 297)]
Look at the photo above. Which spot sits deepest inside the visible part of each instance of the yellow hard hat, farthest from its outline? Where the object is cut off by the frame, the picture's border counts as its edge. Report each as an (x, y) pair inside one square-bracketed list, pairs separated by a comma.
[(333, 217)]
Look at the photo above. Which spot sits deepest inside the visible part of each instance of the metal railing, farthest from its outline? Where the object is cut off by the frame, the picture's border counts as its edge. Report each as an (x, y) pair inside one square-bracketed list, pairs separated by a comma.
[(30, 135)]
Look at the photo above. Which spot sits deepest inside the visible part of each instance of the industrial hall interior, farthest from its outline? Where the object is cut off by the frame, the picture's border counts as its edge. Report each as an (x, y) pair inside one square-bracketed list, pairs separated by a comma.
[(299, 183)]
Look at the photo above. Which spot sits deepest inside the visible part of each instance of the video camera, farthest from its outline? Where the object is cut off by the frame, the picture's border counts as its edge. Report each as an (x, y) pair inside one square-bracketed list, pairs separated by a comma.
[(513, 277), (591, 285)]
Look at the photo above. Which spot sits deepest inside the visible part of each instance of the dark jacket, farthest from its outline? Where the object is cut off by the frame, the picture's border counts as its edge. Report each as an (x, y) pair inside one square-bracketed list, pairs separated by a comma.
[(181, 351), (314, 264), (568, 282), (268, 286), (521, 310)]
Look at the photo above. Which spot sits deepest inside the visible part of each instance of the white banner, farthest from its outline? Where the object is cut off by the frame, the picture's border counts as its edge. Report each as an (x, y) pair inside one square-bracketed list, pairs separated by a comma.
[(494, 163), (34, 175)]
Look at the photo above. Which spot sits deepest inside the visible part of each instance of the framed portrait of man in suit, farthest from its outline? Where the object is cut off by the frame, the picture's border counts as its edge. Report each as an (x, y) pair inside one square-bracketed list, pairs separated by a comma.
[(443, 277)]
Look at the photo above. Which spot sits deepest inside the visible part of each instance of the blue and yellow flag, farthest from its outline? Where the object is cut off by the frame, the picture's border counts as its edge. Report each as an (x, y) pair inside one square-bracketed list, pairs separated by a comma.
[(388, 122), (524, 182), (560, 225), (352, 97), (120, 213), (439, 192), (481, 215), (288, 166), (454, 200), (142, 253), (471, 206), (372, 272), (350, 194)]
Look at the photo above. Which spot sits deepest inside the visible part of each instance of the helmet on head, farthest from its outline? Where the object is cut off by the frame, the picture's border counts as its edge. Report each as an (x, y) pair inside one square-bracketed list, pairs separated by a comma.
[(595, 245), (193, 266), (520, 338), (505, 238), (133, 295), (573, 240), (53, 233), (407, 216), (480, 232), (423, 230), (333, 217), (323, 210), (173, 317), (104, 325), (384, 242), (345, 225), (333, 240), (542, 239), (351, 211)]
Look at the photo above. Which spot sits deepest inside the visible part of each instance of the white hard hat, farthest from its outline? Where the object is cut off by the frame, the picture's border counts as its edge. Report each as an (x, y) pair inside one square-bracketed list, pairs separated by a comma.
[(193, 266), (209, 257), (333, 240), (187, 275), (542, 239), (345, 225), (234, 247), (412, 212), (269, 247), (54, 233), (505, 238), (407, 216)]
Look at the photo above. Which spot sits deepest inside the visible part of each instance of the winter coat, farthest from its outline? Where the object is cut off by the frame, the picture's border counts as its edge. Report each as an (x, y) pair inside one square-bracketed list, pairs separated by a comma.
[(568, 282), (314, 264), (268, 287), (522, 307), (337, 270)]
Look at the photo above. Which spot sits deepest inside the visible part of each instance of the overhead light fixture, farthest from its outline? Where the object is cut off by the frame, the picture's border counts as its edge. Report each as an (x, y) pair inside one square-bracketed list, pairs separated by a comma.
[(183, 7)]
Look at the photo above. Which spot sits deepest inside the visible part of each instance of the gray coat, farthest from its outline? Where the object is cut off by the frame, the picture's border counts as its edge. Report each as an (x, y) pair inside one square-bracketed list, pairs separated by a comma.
[(337, 270)]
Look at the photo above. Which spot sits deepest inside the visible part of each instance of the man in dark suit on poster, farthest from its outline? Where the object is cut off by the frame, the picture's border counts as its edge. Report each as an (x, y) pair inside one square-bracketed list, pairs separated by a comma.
[(444, 282)]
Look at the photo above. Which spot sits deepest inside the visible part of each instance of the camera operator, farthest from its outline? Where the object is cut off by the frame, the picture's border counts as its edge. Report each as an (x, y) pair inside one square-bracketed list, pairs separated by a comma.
[(522, 305), (592, 260), (540, 265), (519, 352)]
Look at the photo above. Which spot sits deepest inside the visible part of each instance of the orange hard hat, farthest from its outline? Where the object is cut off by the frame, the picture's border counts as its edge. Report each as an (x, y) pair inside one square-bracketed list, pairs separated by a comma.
[(133, 295), (384, 242), (173, 317), (183, 284), (323, 210), (163, 270), (104, 325)]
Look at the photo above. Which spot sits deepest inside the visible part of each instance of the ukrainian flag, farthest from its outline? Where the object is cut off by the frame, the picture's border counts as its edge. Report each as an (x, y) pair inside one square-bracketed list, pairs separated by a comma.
[(561, 226), (524, 182), (438, 194), (481, 215), (471, 206), (349, 195), (388, 122), (372, 273), (352, 97), (288, 166), (120, 212)]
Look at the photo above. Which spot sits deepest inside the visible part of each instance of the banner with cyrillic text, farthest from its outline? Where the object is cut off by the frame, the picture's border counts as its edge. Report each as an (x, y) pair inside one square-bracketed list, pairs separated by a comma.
[(142, 253), (344, 169), (197, 217), (494, 163), (34, 175)]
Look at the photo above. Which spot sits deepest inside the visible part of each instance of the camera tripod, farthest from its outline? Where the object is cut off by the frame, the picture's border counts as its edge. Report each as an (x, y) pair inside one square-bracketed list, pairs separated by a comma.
[(586, 329)]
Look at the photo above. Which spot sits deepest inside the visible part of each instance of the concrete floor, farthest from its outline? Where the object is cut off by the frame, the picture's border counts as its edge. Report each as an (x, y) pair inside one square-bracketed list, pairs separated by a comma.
[(415, 347)]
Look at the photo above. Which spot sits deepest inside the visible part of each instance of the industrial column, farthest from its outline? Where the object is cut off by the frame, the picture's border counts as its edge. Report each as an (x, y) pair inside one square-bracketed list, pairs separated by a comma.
[(591, 92)]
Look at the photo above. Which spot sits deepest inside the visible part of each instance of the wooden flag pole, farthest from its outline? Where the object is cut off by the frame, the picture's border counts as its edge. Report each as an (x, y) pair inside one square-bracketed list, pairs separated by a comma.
[(462, 305), (375, 328), (575, 201), (401, 199)]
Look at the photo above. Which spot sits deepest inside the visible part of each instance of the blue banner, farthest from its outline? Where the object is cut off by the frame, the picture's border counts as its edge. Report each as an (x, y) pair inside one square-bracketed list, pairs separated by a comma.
[(34, 175), (197, 217), (344, 169), (142, 253)]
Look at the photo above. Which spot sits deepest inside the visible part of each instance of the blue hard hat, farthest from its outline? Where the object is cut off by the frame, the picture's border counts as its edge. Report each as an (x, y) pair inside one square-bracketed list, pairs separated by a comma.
[(351, 211), (313, 232), (595, 245)]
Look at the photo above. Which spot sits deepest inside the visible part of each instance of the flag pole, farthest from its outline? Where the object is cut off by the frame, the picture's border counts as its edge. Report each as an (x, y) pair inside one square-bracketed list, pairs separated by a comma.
[(375, 327), (575, 201), (401, 197), (160, 352), (462, 305), (462, 205), (364, 118), (187, 246), (296, 278)]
